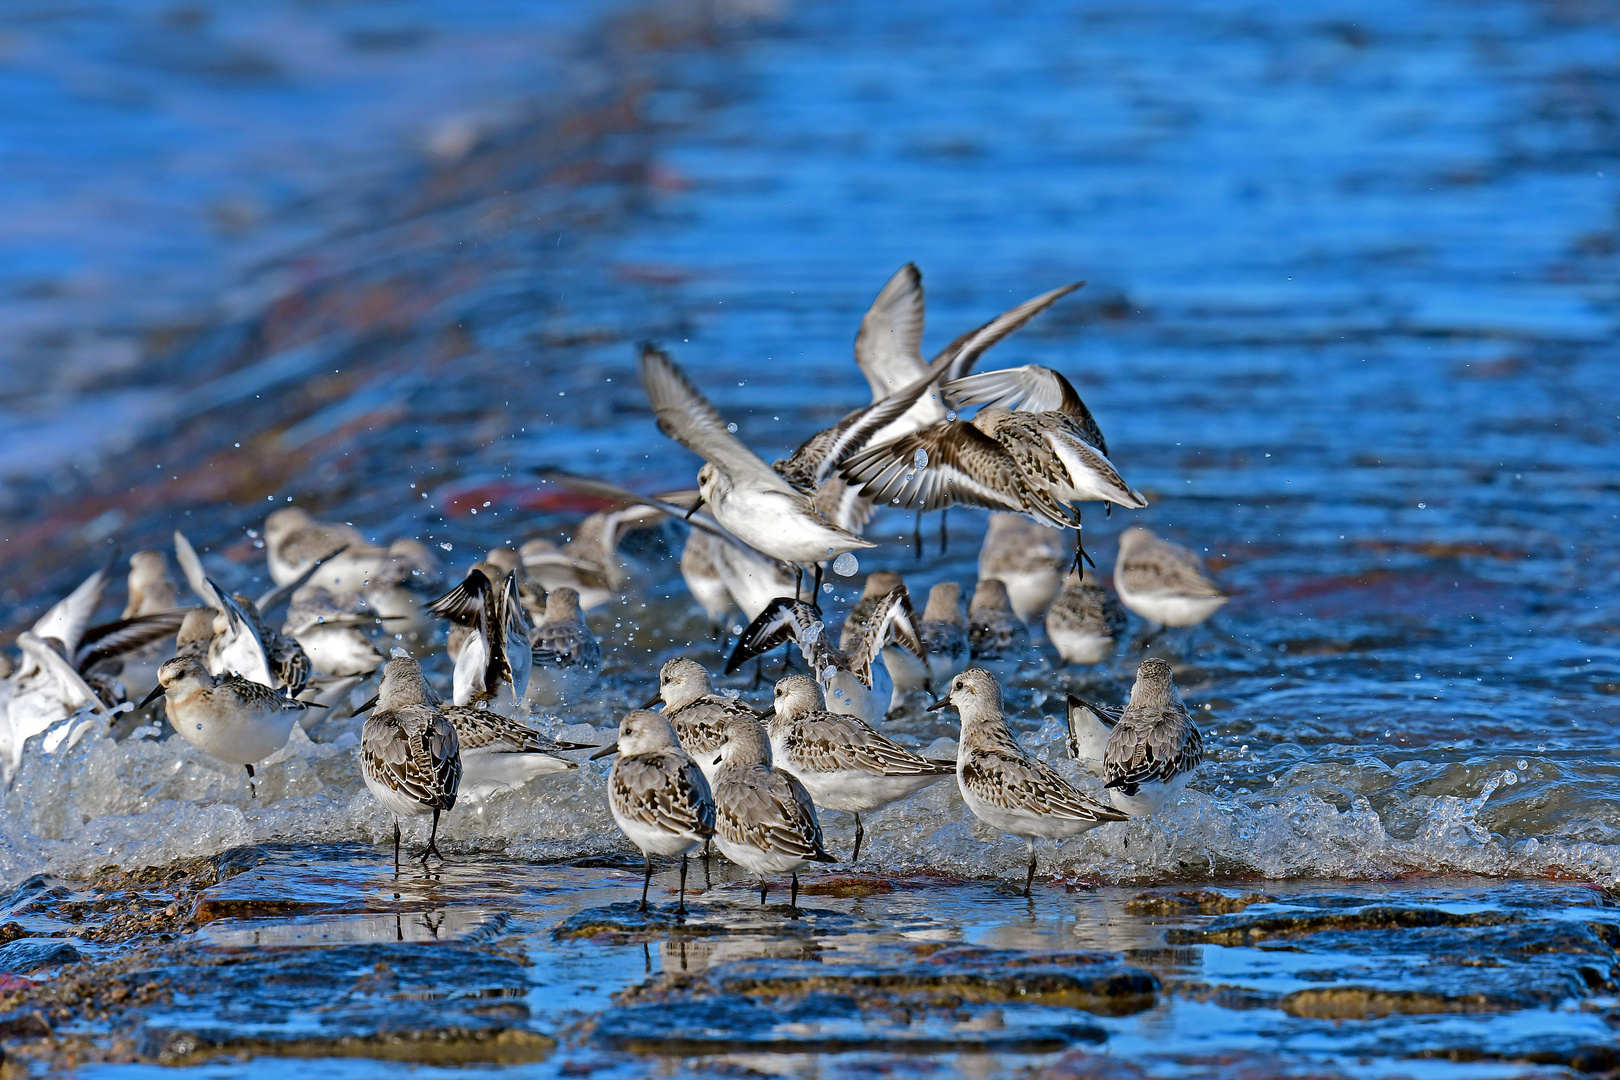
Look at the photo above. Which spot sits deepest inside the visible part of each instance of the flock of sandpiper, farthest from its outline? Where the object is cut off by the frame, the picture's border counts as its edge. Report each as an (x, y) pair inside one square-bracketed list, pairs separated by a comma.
[(709, 767)]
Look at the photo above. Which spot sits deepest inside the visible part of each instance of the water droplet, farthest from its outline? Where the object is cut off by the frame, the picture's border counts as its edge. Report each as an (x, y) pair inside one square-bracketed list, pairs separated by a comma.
[(951, 415), (1510, 778), (445, 546), (920, 458), (826, 587), (846, 565), (1522, 764), (732, 428), (828, 672)]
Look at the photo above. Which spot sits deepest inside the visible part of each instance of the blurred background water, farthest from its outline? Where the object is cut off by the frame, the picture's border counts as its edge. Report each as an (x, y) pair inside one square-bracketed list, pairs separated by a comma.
[(1350, 324)]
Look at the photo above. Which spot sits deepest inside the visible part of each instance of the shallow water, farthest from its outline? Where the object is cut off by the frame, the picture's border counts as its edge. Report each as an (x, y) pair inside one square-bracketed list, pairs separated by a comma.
[(1349, 325)]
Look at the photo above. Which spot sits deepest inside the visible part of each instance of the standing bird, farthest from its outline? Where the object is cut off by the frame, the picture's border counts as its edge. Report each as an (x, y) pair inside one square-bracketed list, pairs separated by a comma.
[(658, 796), (1005, 787), (703, 579), (840, 760), (764, 819), (410, 756), (698, 715), (908, 671), (854, 682), (327, 627), (150, 588), (566, 657), (999, 639), (944, 632), (1164, 583), (1085, 622), (1146, 751), (1029, 559), (489, 641), (500, 752), (227, 717)]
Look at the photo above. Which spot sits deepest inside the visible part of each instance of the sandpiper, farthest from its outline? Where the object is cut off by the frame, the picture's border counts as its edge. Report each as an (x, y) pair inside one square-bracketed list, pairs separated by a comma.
[(944, 632), (293, 540), (410, 756), (907, 670), (489, 642), (1029, 559), (854, 683), (703, 580), (658, 796), (1144, 752), (695, 711), (328, 627), (1003, 785), (500, 752), (764, 819), (1085, 622), (748, 498), (567, 659), (227, 717), (840, 759), (999, 639), (531, 594), (1164, 583), (150, 587)]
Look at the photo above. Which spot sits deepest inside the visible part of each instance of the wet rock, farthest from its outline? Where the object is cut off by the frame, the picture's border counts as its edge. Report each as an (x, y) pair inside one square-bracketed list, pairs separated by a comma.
[(210, 908), (1251, 928), (1224, 995), (1195, 902), (847, 885), (1367, 1003), (24, 1025), (11, 932), (30, 954), (445, 1046), (622, 923)]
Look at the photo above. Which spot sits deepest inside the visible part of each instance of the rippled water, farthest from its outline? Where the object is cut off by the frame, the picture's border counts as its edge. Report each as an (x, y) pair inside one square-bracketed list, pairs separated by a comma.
[(1350, 325)]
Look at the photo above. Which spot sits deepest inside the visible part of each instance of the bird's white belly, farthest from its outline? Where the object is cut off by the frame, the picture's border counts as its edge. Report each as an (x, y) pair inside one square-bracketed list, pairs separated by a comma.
[(1171, 610), (774, 524), (756, 861), (653, 841), (397, 801), (1019, 822), (1081, 646), (339, 650), (848, 696), (1149, 798), (495, 769), (236, 740), (855, 791), (906, 671), (1031, 591)]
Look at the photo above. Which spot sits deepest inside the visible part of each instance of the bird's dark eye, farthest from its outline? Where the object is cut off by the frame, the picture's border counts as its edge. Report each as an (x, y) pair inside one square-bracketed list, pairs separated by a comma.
[(958, 685)]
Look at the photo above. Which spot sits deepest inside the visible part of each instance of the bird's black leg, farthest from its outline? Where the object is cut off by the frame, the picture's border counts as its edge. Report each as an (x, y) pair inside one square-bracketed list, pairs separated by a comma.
[(762, 888), (433, 840), (253, 790), (815, 590), (680, 909), (944, 537), (645, 881), (793, 907), (858, 834), (916, 536), (798, 580), (1029, 878), (396, 846)]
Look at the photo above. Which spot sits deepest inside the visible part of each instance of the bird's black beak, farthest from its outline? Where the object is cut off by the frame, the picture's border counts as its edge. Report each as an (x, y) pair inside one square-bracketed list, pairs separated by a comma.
[(607, 751), (366, 706), (694, 509), (157, 692), (655, 699), (941, 704)]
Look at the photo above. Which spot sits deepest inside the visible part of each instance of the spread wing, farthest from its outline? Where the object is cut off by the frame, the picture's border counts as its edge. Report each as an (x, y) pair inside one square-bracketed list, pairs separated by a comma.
[(192, 567), (784, 619), (1026, 784), (1159, 749), (686, 416), (112, 639), (70, 683), (960, 355), (465, 604), (675, 504), (892, 621), (949, 464), (888, 346), (68, 617), (1031, 388)]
